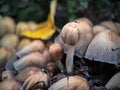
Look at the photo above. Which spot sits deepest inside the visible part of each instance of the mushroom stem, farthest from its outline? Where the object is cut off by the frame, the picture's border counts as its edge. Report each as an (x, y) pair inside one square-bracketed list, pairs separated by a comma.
[(69, 59), (60, 65)]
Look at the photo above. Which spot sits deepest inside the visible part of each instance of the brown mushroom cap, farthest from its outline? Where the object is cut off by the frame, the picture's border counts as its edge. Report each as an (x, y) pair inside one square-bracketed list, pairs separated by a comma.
[(75, 83), (102, 48), (25, 73), (10, 84), (56, 51)]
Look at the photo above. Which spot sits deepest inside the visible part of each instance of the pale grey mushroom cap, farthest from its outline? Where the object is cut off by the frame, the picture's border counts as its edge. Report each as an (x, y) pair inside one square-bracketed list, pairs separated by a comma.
[(98, 28), (102, 48), (86, 35), (110, 25), (84, 40)]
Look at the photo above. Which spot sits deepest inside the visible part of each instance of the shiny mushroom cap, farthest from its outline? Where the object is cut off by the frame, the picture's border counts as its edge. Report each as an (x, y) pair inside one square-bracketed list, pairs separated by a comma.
[(102, 48)]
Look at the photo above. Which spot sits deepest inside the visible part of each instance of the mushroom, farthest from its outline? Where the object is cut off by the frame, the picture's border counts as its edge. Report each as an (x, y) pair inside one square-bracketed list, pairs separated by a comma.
[(75, 83), (70, 35), (32, 59), (35, 78), (32, 25), (10, 84), (7, 75), (51, 67), (25, 73), (85, 20), (24, 42), (56, 54), (9, 41), (111, 26), (4, 55), (9, 24), (98, 28), (114, 81), (86, 35), (10, 61), (36, 45), (102, 48), (20, 27), (46, 54)]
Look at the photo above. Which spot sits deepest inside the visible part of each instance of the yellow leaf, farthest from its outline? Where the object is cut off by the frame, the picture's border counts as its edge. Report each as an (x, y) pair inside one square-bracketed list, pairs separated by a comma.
[(45, 29)]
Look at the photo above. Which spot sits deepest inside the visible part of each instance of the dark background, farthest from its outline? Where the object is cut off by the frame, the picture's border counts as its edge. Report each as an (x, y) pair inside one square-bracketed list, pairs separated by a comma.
[(67, 10)]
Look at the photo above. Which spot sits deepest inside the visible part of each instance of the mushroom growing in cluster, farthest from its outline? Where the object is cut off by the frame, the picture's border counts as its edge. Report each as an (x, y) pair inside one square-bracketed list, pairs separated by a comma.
[(36, 45), (56, 54), (102, 48), (70, 35)]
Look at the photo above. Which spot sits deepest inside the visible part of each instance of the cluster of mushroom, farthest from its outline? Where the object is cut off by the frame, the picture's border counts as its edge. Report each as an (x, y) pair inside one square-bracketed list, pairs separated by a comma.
[(27, 62), (94, 42)]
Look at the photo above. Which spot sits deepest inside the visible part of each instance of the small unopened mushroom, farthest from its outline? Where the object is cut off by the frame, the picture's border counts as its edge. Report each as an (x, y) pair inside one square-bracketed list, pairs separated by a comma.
[(23, 43), (56, 53), (25, 73), (9, 24), (74, 83), (40, 77), (36, 45), (70, 35), (32, 25), (20, 27), (32, 59), (7, 75), (102, 48), (114, 81), (10, 84), (4, 55), (9, 41)]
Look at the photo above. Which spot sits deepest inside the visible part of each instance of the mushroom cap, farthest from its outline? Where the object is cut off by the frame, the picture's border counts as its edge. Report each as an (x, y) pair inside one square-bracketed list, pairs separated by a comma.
[(25, 73), (111, 26), (56, 51), (75, 83), (98, 28), (85, 19), (70, 33), (9, 41), (10, 84), (86, 35), (102, 48)]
